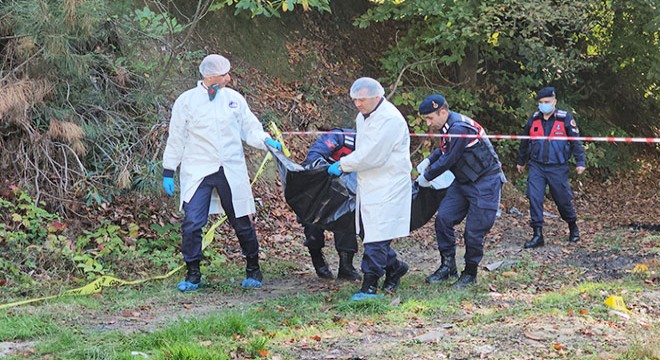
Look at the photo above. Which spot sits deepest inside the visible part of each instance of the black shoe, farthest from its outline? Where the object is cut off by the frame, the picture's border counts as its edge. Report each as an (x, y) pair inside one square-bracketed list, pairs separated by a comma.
[(393, 277), (369, 284), (536, 240), (465, 280), (321, 267), (574, 232), (346, 269), (446, 270), (194, 275)]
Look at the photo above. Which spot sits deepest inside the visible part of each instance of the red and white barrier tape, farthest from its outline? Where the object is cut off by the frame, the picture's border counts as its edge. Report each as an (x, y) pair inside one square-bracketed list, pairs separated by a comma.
[(503, 137)]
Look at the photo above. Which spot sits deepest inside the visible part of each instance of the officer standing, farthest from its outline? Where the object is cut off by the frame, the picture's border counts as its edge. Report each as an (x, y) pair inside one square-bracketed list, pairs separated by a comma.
[(332, 147), (548, 164), (384, 192), (206, 129), (475, 192)]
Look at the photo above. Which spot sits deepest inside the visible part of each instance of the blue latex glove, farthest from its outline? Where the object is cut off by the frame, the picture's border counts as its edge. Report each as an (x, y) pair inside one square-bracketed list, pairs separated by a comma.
[(334, 169), (421, 180), (168, 185), (273, 143)]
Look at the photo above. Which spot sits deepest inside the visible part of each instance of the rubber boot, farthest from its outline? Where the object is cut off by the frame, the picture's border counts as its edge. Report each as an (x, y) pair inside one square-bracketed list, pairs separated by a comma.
[(536, 240), (193, 277), (468, 277), (446, 270), (346, 269), (253, 276), (321, 267), (574, 235), (369, 288), (393, 276)]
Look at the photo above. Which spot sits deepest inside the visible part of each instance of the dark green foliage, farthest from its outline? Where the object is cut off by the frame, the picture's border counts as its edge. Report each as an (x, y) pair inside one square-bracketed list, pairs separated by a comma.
[(489, 57), (270, 8), (102, 69)]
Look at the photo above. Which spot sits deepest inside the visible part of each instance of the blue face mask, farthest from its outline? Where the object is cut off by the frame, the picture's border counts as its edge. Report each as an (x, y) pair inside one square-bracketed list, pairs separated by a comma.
[(545, 108)]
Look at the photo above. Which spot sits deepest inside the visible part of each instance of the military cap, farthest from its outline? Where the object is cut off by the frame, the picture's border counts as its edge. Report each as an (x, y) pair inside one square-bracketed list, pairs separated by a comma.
[(431, 104), (545, 92)]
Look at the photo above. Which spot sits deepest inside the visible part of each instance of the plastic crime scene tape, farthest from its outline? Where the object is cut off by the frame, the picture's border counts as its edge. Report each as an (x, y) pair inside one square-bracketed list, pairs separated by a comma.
[(506, 137), (105, 281)]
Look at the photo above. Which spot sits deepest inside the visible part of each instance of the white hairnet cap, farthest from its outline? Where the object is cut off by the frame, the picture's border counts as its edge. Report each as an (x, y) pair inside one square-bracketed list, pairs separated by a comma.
[(214, 64), (366, 87)]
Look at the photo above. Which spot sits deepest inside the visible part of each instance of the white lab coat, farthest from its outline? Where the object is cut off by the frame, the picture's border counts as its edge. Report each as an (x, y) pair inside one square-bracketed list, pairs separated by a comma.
[(205, 135), (382, 162)]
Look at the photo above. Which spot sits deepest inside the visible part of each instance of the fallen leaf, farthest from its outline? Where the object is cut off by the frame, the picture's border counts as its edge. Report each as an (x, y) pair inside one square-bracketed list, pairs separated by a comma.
[(206, 343), (315, 337), (263, 353), (584, 312), (570, 313), (395, 302), (533, 336), (558, 346)]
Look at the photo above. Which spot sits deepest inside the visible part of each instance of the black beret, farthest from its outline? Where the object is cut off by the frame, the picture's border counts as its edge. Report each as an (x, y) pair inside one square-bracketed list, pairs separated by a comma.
[(431, 104), (545, 92)]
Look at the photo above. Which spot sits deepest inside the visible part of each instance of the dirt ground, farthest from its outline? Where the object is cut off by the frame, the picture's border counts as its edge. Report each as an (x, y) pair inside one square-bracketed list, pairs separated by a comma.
[(614, 240)]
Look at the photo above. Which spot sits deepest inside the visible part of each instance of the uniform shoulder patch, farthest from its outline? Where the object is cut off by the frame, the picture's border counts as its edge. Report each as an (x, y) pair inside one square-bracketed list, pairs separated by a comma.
[(573, 123), (561, 114)]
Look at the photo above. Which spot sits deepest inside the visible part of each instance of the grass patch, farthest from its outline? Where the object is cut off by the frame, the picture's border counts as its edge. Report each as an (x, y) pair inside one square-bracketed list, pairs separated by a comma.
[(287, 324), (25, 326)]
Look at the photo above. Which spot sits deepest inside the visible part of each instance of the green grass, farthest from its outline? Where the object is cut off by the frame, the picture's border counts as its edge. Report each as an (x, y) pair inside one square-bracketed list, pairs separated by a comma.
[(25, 326), (280, 324)]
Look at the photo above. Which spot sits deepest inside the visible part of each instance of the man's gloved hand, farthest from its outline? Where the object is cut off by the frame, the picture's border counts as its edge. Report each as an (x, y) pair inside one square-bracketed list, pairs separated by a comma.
[(334, 169), (421, 180), (421, 167), (168, 185), (273, 143)]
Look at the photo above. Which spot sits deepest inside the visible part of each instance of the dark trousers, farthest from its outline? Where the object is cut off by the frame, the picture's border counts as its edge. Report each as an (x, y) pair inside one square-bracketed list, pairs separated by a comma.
[(556, 178), (197, 214), (478, 202), (315, 239), (378, 256)]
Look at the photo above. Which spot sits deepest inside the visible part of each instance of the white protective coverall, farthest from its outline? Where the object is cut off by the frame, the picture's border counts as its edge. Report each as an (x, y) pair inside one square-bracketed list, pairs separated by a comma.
[(382, 162), (205, 135)]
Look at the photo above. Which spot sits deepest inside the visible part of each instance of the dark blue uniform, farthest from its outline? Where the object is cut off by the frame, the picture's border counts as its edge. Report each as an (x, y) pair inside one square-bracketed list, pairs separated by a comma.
[(475, 193), (548, 163), (331, 147)]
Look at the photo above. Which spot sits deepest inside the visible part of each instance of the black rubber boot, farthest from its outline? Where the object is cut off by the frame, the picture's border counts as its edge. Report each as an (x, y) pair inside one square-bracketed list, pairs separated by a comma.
[(393, 276), (253, 276), (446, 270), (536, 240), (468, 277), (346, 269), (369, 288), (194, 275), (321, 267), (574, 232)]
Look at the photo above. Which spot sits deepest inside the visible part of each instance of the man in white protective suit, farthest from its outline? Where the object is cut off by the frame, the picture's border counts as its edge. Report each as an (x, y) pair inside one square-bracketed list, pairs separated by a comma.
[(208, 125), (382, 162)]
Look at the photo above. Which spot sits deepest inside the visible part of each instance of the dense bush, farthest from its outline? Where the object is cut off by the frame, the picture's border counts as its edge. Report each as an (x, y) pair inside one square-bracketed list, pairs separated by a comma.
[(37, 247)]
